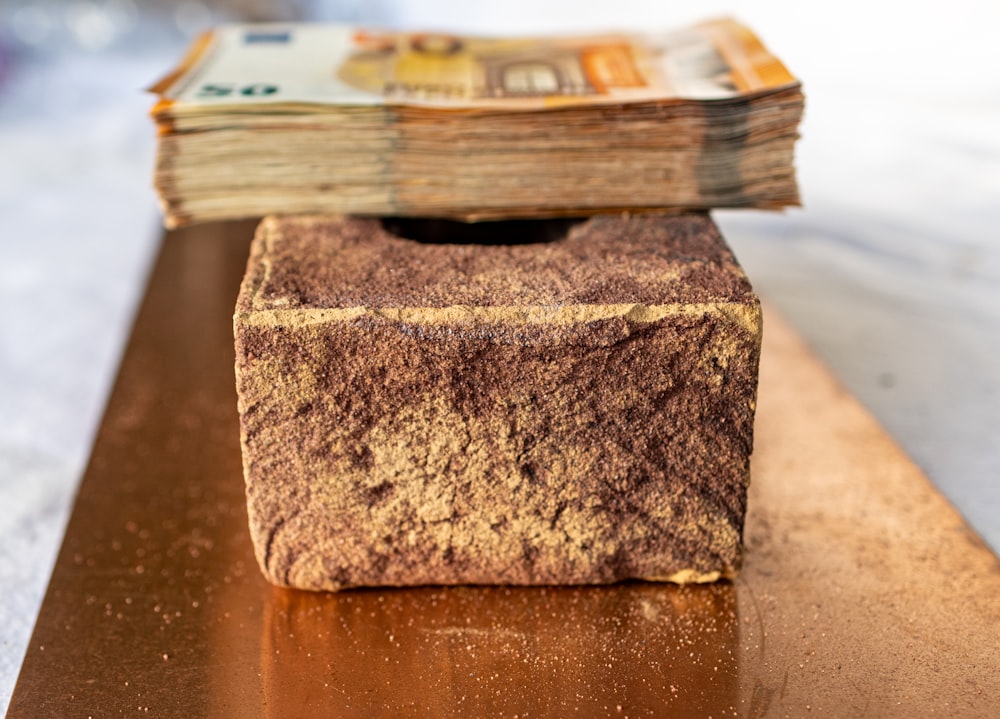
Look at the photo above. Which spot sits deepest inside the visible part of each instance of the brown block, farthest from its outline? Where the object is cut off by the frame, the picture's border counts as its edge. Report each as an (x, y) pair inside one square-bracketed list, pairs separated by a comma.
[(572, 411)]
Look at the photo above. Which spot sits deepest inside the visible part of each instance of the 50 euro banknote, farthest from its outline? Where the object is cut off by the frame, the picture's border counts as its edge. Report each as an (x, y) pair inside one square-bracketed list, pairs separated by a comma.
[(297, 118), (246, 65)]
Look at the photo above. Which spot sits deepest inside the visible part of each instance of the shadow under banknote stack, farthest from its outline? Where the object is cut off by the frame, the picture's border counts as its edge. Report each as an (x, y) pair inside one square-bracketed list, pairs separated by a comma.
[(547, 401)]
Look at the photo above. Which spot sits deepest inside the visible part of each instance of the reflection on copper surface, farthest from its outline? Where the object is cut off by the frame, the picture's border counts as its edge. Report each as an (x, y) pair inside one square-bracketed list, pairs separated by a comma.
[(638, 649)]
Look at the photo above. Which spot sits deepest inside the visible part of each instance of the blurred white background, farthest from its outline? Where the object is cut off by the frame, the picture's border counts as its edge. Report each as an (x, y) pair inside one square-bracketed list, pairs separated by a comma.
[(891, 270)]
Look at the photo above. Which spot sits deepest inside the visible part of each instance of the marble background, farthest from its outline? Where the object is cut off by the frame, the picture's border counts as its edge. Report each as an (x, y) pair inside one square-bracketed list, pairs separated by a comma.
[(891, 270)]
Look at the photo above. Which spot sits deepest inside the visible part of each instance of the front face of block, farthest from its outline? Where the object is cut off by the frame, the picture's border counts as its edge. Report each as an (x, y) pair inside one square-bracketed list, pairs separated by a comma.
[(414, 430)]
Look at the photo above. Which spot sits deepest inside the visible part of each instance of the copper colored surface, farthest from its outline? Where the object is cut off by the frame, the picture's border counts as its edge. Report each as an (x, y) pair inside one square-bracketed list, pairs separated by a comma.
[(863, 592)]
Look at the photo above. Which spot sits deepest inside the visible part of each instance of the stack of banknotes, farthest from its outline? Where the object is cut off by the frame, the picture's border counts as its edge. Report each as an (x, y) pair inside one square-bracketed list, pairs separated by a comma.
[(326, 118)]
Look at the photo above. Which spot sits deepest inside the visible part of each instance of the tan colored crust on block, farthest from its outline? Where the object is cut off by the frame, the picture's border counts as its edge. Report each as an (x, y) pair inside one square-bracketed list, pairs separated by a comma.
[(570, 412)]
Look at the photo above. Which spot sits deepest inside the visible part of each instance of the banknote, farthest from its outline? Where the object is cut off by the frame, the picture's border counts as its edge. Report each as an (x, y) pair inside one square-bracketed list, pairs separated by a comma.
[(344, 65), (337, 119)]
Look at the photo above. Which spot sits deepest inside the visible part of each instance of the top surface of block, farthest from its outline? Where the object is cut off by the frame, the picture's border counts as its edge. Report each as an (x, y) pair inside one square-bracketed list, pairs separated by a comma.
[(322, 263)]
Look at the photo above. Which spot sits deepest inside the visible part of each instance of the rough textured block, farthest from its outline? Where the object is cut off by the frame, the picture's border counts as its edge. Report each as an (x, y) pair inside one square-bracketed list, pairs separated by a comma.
[(572, 411)]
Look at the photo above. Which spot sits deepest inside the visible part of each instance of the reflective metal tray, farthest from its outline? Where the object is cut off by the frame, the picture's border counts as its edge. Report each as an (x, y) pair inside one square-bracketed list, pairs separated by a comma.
[(863, 594)]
